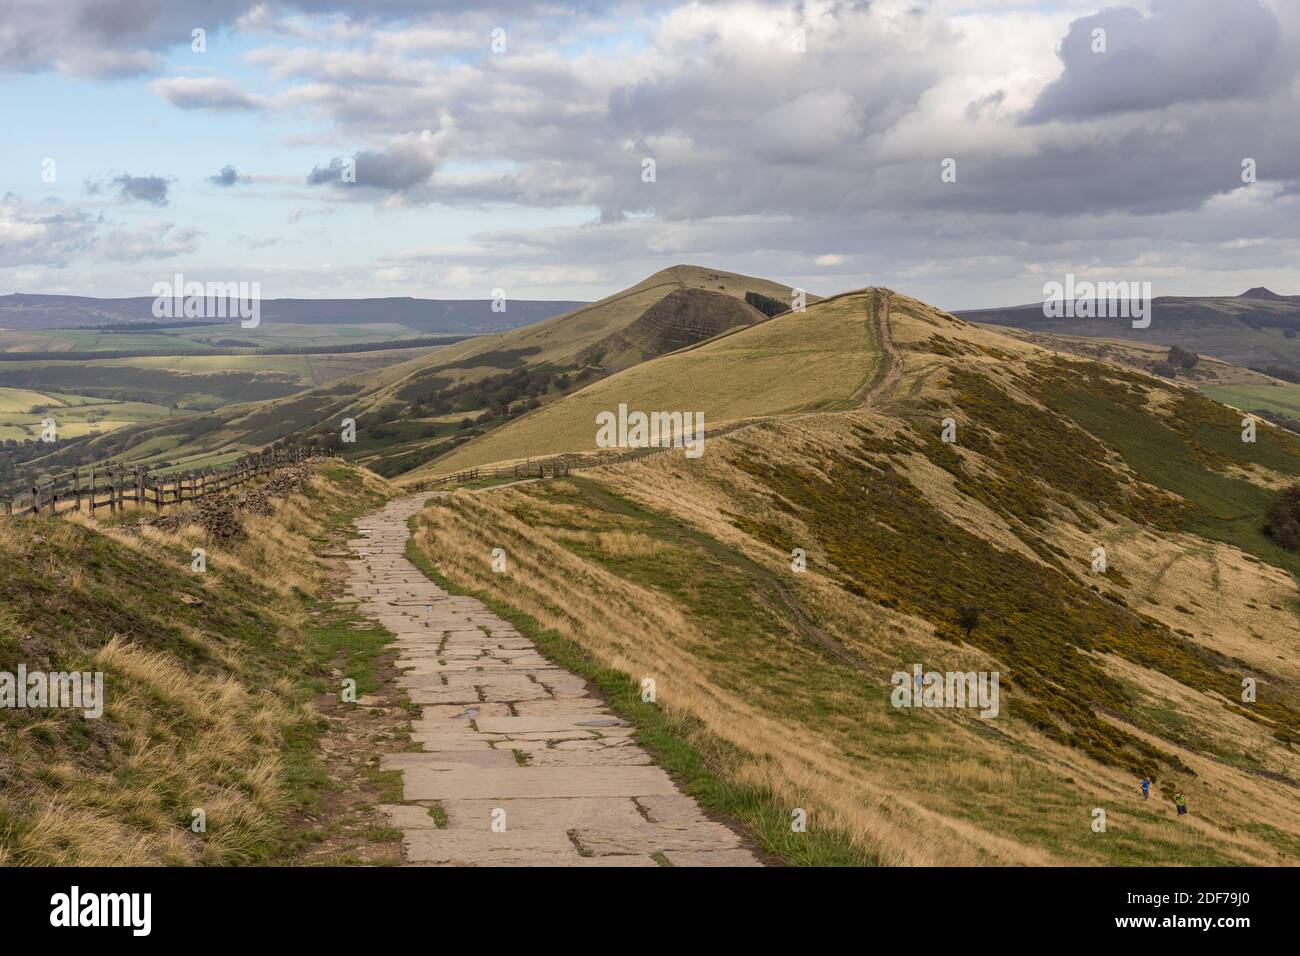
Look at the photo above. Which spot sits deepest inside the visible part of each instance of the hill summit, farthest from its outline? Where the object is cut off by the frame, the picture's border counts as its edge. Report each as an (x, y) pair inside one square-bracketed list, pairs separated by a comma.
[(1259, 292)]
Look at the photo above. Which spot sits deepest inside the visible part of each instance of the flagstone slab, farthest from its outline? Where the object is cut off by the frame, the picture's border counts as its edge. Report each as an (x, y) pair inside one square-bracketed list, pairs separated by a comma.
[(647, 838), (422, 784), (596, 757), (565, 813)]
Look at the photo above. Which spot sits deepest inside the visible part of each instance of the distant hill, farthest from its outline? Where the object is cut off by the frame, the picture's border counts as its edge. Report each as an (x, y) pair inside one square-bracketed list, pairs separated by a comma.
[(25, 311), (1256, 329), (1259, 292)]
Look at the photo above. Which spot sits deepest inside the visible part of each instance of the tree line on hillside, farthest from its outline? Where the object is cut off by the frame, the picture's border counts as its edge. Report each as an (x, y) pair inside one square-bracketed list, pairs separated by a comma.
[(1279, 371), (766, 304)]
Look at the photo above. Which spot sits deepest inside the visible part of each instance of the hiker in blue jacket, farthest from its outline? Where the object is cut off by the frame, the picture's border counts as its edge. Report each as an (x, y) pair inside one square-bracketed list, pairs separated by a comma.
[(1146, 788)]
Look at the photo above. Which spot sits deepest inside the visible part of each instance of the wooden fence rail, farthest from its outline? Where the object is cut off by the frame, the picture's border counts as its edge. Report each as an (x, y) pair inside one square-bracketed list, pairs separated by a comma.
[(561, 465), (542, 468), (115, 486), (556, 467)]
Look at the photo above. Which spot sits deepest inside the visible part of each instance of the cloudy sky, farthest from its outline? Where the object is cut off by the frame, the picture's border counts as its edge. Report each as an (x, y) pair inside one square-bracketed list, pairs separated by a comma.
[(505, 145)]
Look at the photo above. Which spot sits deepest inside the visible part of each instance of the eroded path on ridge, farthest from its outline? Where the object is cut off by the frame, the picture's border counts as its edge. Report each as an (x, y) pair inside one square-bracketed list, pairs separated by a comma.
[(893, 362), (521, 763)]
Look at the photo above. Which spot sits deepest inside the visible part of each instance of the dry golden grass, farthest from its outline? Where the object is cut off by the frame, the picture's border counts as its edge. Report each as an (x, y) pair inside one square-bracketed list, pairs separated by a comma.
[(951, 790), (636, 630), (176, 736), (955, 805)]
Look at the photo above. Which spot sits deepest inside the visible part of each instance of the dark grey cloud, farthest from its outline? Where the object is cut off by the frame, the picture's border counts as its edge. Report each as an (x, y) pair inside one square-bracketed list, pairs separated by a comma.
[(387, 171), (1186, 51), (326, 175), (985, 105), (103, 38), (148, 189), (406, 163), (227, 176)]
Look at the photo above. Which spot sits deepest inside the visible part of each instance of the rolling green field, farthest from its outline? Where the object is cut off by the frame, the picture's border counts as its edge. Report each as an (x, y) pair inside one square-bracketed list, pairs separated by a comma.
[(23, 410), (195, 382), (1283, 398)]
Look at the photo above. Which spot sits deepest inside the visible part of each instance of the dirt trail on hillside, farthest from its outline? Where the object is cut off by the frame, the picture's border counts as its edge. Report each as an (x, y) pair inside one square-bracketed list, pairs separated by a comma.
[(520, 763), (893, 367), (887, 378)]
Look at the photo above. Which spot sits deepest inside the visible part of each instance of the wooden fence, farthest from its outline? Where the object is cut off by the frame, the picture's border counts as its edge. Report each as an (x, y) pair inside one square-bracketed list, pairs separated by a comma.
[(559, 465), (542, 468), (116, 487)]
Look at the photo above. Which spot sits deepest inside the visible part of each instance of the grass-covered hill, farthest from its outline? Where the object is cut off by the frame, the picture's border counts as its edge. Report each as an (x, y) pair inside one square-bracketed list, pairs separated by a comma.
[(414, 411), (975, 555), (680, 319), (820, 358)]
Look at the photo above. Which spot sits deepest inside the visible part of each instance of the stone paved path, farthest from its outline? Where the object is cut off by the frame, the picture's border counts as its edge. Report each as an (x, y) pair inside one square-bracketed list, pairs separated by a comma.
[(528, 767)]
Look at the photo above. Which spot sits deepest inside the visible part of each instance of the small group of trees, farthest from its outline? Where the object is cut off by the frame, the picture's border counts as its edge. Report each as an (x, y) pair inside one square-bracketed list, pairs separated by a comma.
[(1176, 360), (1282, 523)]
